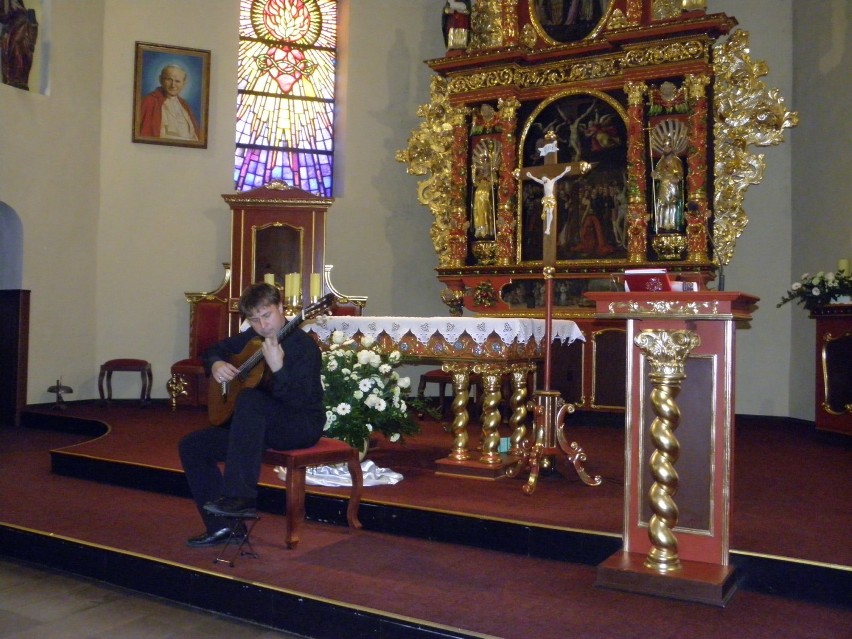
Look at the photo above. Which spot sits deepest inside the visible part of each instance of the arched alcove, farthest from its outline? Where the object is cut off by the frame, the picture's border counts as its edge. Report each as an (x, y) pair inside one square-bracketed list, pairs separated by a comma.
[(11, 248)]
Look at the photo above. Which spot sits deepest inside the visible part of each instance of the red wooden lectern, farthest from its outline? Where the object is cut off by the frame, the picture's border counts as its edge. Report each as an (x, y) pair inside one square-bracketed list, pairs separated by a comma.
[(679, 437)]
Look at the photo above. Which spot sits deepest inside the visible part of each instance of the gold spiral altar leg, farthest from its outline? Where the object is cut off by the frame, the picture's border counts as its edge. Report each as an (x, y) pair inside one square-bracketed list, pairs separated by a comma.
[(491, 382), (518, 404), (461, 385), (666, 352)]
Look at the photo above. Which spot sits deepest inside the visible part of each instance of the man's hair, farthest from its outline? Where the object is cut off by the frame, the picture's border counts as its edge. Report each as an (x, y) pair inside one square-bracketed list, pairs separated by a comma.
[(258, 295), (174, 66)]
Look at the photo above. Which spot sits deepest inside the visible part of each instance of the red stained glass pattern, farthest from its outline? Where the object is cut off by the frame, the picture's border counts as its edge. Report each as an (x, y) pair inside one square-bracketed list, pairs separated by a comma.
[(285, 104)]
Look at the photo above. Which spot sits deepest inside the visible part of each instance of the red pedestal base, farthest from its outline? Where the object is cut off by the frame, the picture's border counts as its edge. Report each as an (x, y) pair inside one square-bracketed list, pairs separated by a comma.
[(695, 581)]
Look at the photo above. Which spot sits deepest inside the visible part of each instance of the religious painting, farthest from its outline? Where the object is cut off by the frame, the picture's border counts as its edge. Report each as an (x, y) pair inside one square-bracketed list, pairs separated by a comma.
[(567, 20), (567, 293), (171, 95), (589, 210)]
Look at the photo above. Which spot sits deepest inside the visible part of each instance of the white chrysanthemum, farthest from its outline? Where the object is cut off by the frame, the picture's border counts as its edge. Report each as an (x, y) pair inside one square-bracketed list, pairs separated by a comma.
[(403, 406), (330, 418), (337, 337), (384, 369), (380, 405), (395, 357), (365, 385), (370, 427), (375, 359), (815, 291), (796, 286), (404, 382), (367, 341), (358, 394), (343, 408), (364, 357), (395, 437), (331, 365)]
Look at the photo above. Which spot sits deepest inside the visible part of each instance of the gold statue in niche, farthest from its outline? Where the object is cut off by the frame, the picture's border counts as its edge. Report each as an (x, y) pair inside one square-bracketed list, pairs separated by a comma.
[(486, 160), (668, 139)]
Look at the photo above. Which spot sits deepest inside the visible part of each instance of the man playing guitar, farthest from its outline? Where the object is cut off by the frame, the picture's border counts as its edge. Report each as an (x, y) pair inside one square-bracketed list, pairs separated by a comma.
[(284, 411)]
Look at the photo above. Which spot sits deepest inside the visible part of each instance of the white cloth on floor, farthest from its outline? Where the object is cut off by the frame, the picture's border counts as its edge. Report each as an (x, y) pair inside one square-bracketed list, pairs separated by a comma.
[(338, 475)]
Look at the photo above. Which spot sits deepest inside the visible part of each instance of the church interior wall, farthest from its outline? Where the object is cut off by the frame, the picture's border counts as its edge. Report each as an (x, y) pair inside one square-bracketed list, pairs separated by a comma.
[(115, 232)]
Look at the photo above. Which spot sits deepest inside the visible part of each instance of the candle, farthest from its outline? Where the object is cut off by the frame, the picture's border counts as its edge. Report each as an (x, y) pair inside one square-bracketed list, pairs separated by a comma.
[(297, 284), (288, 285), (316, 285), (843, 265), (269, 278)]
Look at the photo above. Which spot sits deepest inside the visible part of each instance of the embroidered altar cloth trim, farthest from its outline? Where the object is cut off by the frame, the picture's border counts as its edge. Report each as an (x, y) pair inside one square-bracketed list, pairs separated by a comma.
[(511, 330)]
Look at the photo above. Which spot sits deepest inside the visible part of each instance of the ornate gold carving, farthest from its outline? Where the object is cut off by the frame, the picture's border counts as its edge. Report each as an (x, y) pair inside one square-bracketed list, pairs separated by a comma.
[(491, 24), (695, 310), (746, 113), (666, 352), (665, 9), (176, 387), (654, 54), (669, 246), (528, 36), (429, 152)]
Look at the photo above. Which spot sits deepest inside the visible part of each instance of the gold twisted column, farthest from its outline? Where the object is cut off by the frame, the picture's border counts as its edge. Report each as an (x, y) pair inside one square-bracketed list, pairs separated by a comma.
[(518, 404), (461, 385), (491, 376), (666, 352)]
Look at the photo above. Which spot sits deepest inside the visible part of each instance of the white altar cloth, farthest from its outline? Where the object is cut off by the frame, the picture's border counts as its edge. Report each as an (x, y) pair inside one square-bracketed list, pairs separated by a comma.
[(510, 329)]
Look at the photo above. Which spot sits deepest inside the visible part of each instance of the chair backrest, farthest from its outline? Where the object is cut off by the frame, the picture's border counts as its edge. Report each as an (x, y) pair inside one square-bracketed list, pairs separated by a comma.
[(208, 324)]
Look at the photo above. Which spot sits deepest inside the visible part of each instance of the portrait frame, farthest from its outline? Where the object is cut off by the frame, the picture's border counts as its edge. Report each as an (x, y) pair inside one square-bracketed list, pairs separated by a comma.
[(148, 97)]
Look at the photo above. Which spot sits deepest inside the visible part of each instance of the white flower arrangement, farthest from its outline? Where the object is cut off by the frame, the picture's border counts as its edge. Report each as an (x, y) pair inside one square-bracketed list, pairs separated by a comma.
[(364, 393), (819, 289)]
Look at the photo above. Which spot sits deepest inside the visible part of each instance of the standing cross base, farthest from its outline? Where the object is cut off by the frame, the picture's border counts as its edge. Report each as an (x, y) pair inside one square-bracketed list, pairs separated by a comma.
[(549, 411)]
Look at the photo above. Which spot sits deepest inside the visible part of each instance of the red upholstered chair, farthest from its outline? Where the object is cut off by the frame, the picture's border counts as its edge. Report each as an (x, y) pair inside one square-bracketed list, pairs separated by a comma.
[(325, 451), (208, 324)]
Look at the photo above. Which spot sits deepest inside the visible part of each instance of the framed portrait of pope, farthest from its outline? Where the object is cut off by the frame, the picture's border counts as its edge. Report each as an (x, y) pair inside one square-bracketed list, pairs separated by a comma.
[(171, 95)]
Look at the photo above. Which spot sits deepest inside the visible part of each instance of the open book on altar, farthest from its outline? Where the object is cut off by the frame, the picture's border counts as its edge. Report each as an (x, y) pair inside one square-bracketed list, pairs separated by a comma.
[(652, 280)]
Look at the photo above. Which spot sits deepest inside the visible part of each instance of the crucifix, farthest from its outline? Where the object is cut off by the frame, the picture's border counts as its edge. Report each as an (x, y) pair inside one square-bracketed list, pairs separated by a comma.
[(548, 174), (550, 409)]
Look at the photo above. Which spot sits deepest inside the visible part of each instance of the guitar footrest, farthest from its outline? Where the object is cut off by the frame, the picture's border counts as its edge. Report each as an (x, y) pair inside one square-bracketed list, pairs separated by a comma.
[(241, 543)]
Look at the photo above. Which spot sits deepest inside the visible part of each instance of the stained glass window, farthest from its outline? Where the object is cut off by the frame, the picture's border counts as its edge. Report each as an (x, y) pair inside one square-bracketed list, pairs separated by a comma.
[(285, 103)]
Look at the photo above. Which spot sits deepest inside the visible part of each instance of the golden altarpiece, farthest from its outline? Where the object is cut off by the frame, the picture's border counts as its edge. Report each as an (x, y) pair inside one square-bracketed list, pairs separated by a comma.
[(632, 118)]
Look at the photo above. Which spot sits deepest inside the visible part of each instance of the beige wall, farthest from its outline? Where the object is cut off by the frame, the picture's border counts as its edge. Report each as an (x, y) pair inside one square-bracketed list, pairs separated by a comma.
[(115, 232)]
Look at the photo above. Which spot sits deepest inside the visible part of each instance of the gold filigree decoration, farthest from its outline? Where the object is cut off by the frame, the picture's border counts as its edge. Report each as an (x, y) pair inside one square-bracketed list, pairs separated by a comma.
[(665, 9), (487, 24), (566, 72), (746, 113), (429, 153)]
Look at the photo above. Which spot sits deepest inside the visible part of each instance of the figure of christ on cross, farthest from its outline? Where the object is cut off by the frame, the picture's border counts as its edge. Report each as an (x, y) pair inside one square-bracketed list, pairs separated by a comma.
[(548, 174)]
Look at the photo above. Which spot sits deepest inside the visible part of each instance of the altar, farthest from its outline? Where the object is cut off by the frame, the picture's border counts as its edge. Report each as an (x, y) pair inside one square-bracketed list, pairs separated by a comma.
[(492, 347)]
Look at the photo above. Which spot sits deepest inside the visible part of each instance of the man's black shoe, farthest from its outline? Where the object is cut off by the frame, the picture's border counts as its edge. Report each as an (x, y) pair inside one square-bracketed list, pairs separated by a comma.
[(231, 507), (207, 539)]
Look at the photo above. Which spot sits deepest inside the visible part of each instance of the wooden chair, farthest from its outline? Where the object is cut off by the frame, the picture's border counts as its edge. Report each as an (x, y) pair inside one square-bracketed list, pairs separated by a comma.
[(208, 324), (325, 451)]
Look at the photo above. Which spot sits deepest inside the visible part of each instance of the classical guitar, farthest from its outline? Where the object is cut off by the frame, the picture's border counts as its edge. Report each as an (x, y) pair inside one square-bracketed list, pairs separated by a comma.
[(223, 396)]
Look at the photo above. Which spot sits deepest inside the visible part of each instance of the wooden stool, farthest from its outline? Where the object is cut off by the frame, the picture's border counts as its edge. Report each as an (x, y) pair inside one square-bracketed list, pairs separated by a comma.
[(325, 451), (135, 365)]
